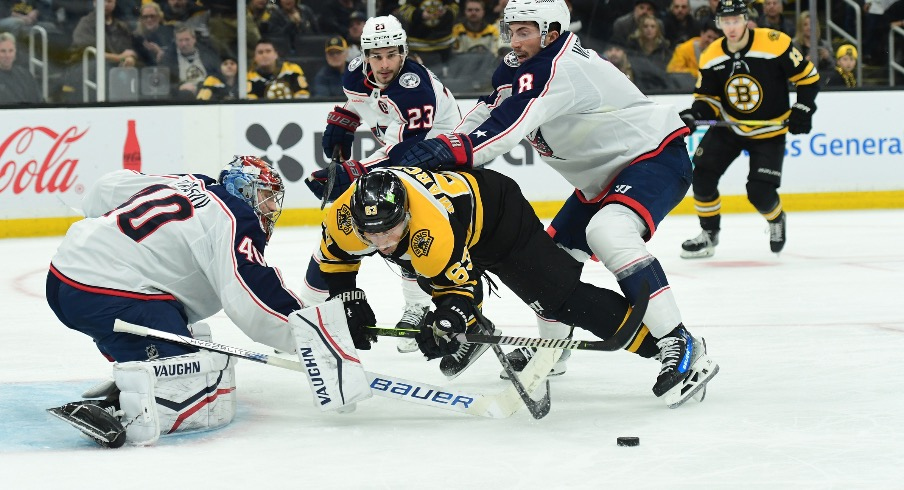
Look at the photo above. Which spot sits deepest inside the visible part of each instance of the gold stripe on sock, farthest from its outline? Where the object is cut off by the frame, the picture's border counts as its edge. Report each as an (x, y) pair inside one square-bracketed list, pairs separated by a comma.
[(641, 335)]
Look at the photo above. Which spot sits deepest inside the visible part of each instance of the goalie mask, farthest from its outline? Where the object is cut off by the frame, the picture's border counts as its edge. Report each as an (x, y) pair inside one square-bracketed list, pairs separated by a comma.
[(382, 32), (258, 184), (543, 12), (379, 204)]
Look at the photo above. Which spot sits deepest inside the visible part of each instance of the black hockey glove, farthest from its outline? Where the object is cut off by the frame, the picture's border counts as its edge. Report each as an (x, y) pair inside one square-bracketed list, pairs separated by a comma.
[(451, 317), (801, 119), (689, 118), (340, 130), (451, 151), (346, 173), (359, 316)]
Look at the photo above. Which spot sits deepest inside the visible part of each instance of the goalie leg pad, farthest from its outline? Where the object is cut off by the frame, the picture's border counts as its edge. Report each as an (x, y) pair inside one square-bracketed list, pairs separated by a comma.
[(176, 394), (325, 348)]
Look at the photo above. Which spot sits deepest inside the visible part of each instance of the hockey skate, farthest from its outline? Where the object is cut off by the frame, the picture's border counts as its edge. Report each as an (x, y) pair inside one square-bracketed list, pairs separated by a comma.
[(519, 358), (701, 246), (686, 369), (413, 318), (777, 233), (99, 420), (454, 364)]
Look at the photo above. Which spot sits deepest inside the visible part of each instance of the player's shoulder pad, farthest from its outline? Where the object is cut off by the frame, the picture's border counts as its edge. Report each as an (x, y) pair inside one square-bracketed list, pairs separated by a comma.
[(339, 225), (246, 221), (769, 43), (713, 54), (541, 64), (505, 72), (415, 76), (353, 78)]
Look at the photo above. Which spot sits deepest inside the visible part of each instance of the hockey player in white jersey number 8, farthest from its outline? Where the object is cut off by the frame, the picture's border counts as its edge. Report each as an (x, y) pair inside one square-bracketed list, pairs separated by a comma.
[(624, 154), (165, 252), (403, 103)]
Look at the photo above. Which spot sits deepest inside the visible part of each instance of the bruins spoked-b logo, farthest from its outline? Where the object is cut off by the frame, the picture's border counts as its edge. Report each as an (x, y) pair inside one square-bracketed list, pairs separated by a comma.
[(744, 93), (344, 219), (421, 242)]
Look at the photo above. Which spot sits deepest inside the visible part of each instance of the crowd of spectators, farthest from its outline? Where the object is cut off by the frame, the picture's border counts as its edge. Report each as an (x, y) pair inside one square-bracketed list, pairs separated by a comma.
[(187, 49)]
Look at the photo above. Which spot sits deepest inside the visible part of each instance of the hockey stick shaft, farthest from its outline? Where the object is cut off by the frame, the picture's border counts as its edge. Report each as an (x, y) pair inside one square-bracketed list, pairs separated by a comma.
[(500, 405), (331, 175), (752, 122)]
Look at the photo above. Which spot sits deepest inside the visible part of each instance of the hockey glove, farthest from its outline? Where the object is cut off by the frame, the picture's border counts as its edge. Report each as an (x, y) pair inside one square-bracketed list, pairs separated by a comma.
[(340, 130), (451, 151), (359, 316), (801, 119), (436, 338), (689, 118), (347, 173)]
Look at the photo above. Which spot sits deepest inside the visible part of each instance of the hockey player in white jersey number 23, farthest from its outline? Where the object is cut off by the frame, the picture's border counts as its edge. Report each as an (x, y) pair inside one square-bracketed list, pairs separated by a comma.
[(403, 103), (166, 252), (624, 154)]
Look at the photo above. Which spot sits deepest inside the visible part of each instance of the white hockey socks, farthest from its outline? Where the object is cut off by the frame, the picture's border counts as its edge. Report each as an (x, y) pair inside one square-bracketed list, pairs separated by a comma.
[(175, 394), (326, 350)]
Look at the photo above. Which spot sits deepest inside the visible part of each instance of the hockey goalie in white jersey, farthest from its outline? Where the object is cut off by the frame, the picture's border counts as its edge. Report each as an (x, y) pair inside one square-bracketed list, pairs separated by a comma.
[(624, 154), (165, 252)]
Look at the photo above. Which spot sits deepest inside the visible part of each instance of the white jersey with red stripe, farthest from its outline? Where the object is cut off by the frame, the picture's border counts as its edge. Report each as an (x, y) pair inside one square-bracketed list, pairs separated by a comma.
[(414, 106), (582, 115), (149, 236)]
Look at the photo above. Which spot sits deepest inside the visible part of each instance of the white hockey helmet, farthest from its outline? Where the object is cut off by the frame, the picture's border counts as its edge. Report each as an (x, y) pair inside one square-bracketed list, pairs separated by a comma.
[(543, 12), (383, 32)]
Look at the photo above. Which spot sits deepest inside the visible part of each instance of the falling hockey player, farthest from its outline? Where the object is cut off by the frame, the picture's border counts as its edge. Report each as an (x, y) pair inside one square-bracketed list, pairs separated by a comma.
[(167, 251), (624, 154)]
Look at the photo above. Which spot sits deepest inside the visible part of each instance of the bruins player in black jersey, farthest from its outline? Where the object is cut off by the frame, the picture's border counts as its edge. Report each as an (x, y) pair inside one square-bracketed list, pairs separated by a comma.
[(744, 76), (451, 227)]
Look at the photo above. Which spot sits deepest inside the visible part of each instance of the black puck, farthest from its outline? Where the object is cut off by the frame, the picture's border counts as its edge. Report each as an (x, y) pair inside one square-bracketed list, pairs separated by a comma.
[(628, 441)]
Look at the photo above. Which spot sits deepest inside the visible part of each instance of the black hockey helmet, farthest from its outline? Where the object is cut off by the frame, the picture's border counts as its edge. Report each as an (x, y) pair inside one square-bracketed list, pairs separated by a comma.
[(730, 8), (379, 203)]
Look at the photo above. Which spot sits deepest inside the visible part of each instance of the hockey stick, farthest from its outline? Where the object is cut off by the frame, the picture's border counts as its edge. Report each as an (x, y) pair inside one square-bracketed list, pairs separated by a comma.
[(331, 175), (500, 405), (618, 341), (752, 122)]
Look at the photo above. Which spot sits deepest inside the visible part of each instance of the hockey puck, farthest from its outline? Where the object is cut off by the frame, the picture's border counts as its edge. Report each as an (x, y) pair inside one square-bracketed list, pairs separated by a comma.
[(628, 441)]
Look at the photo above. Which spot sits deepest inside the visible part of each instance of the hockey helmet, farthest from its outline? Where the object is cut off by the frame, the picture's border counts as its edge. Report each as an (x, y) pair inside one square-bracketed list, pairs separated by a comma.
[(731, 8), (384, 32), (258, 184), (379, 203), (543, 12)]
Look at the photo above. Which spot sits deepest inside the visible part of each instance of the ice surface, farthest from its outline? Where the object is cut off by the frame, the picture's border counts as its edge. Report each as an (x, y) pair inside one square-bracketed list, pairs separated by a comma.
[(809, 394)]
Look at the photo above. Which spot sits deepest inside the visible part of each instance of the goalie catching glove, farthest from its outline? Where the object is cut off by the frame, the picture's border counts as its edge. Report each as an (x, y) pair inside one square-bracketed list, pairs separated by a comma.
[(436, 338), (359, 316), (451, 151), (348, 172)]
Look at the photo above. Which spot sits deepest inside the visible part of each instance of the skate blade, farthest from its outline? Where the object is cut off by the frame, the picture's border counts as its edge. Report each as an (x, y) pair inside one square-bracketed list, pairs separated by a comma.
[(699, 254), (701, 373)]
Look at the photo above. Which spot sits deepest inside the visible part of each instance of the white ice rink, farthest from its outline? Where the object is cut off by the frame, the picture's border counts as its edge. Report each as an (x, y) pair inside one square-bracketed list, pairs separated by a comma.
[(809, 395)]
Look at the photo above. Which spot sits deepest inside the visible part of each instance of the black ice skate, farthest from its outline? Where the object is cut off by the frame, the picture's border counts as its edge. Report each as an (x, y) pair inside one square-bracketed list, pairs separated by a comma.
[(686, 369), (701, 246), (455, 364), (97, 419), (777, 233), (519, 358), (413, 318)]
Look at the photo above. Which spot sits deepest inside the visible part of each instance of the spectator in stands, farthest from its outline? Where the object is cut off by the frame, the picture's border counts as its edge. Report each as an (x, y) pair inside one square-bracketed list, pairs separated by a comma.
[(259, 13), (641, 72), (845, 63), (224, 85), (335, 15), (773, 17), (355, 27), (679, 25), (802, 39), (686, 57), (875, 31), (474, 33), (649, 42), (17, 86), (223, 25), (189, 64), (289, 22), (627, 24), (328, 81), (119, 43), (152, 33), (18, 16), (185, 12), (429, 27), (272, 79), (708, 11)]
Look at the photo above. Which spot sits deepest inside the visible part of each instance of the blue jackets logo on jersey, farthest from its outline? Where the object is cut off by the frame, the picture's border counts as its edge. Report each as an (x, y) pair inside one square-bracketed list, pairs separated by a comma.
[(421, 242), (409, 80)]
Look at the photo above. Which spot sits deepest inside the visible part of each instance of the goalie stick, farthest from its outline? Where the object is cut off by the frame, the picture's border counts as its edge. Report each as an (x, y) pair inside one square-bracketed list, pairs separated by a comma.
[(499, 405), (618, 341)]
